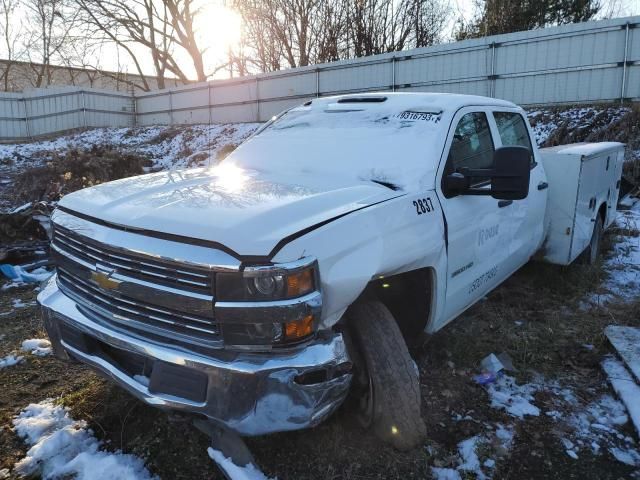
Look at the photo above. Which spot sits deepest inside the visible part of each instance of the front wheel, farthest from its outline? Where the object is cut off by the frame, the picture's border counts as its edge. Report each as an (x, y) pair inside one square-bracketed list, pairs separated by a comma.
[(389, 378)]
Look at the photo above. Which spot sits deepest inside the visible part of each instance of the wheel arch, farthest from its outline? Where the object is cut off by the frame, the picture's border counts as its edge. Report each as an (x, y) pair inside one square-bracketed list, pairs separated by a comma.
[(410, 297), (602, 211)]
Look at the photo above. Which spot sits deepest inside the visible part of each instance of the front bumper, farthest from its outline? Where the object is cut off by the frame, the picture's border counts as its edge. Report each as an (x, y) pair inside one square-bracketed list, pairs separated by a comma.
[(251, 393)]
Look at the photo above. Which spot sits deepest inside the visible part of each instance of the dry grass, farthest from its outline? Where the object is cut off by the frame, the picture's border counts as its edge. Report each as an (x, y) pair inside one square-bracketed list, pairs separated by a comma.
[(549, 340), (74, 170)]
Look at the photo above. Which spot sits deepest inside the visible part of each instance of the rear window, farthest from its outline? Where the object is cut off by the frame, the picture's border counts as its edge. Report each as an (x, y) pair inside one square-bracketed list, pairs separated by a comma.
[(513, 130)]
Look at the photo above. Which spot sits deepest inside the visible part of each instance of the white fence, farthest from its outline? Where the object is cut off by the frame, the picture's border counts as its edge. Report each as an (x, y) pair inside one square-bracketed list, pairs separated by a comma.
[(39, 112), (586, 62)]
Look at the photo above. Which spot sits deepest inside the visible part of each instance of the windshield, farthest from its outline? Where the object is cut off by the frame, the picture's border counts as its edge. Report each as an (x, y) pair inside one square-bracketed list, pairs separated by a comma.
[(371, 142)]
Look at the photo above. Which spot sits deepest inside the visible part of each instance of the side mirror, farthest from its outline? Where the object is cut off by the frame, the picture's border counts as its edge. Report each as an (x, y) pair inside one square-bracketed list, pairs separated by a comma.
[(509, 176), (511, 173), (456, 183)]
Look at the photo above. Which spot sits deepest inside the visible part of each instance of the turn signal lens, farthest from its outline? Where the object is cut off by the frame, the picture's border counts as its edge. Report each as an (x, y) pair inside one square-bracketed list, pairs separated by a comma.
[(299, 328), (300, 283)]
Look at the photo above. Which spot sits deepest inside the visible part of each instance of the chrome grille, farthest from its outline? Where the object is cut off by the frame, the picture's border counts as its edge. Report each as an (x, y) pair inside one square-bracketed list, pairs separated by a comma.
[(139, 316), (139, 266), (146, 295)]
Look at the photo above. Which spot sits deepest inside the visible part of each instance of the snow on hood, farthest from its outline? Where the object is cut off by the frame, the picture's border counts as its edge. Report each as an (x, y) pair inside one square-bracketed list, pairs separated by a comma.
[(394, 143), (245, 210)]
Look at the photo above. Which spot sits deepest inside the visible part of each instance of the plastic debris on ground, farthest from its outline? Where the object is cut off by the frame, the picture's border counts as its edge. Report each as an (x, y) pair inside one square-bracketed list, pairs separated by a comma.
[(37, 346), (21, 274), (61, 447), (492, 368), (25, 223), (625, 387), (10, 360), (626, 341)]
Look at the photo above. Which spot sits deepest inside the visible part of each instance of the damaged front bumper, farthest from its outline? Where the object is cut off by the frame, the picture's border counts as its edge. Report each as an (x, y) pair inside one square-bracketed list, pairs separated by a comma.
[(251, 393)]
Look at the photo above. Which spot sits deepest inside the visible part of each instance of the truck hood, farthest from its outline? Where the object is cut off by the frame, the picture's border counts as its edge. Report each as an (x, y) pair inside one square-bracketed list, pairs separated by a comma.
[(246, 211)]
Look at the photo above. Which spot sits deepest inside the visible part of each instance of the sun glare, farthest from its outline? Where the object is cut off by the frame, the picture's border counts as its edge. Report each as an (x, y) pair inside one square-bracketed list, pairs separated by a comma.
[(219, 30), (229, 177)]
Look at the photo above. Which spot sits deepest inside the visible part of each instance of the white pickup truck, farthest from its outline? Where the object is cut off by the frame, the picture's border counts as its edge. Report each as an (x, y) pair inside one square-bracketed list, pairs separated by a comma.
[(256, 293)]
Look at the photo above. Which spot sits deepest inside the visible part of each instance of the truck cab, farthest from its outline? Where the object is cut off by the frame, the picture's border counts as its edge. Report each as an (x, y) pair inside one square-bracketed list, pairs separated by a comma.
[(258, 292)]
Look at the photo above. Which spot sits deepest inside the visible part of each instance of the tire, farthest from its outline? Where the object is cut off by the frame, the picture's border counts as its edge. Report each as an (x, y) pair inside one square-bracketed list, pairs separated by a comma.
[(390, 400), (592, 253)]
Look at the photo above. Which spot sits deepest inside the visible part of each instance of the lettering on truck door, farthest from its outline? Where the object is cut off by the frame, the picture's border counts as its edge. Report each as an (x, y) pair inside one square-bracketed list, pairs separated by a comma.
[(478, 230)]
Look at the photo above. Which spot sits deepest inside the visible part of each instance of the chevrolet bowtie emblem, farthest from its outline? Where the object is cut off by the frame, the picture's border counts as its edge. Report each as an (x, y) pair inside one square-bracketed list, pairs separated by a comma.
[(104, 280)]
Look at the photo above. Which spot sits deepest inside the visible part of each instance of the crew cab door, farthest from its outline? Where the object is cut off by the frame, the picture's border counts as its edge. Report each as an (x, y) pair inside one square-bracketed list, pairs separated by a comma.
[(527, 215), (479, 229)]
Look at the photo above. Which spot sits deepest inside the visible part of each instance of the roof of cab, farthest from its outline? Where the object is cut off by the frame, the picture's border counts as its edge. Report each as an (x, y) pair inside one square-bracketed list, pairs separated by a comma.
[(443, 101)]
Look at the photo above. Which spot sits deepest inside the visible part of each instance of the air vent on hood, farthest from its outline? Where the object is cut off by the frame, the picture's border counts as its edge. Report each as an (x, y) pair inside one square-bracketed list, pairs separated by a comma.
[(362, 100)]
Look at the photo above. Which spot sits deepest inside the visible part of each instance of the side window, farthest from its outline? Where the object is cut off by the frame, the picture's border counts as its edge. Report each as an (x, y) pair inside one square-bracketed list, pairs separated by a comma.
[(513, 130), (472, 145)]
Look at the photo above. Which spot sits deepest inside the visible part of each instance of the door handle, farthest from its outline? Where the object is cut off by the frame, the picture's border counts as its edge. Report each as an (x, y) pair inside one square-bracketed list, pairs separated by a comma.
[(543, 185), (504, 203)]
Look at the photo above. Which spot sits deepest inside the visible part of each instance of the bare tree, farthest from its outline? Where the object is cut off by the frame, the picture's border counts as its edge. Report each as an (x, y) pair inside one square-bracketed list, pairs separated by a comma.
[(296, 33), (11, 41), (161, 29), (49, 26), (260, 47), (330, 31), (493, 17), (182, 14), (280, 30)]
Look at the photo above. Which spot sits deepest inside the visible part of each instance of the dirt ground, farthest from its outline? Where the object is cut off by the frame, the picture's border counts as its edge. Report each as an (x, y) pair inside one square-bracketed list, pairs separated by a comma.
[(537, 316)]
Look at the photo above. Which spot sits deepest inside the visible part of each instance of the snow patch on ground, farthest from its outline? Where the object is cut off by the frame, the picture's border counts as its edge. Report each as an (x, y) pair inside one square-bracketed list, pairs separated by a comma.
[(516, 400), (167, 146), (37, 346), (594, 426), (13, 284), (61, 447), (248, 472), (622, 264), (440, 473), (474, 455), (18, 303)]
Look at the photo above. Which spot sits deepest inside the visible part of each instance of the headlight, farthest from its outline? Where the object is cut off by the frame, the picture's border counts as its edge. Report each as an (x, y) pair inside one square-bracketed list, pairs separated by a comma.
[(267, 306), (265, 284)]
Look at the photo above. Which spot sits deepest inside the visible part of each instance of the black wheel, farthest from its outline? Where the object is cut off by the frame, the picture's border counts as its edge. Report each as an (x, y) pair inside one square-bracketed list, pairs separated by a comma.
[(387, 381), (592, 253)]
